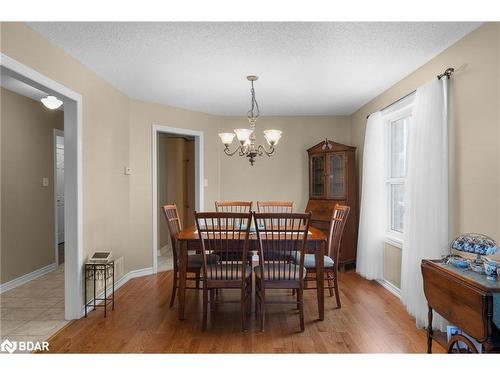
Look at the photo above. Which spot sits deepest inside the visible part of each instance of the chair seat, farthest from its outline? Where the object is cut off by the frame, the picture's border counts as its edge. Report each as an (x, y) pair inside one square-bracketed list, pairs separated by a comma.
[(281, 271), (227, 271), (194, 260), (310, 260)]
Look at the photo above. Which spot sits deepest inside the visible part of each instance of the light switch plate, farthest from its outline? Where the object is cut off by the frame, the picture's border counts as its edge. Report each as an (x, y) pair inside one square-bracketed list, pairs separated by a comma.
[(205, 182), (128, 171), (45, 181)]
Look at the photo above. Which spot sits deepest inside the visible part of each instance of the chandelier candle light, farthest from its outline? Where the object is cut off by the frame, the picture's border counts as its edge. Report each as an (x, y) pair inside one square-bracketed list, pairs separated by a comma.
[(246, 136)]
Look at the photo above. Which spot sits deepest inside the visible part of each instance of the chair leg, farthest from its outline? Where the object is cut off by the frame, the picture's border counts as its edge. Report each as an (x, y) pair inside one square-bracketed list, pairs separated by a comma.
[(243, 305), (257, 300), (212, 300), (336, 286), (330, 283), (174, 290), (262, 308), (249, 297), (205, 308), (197, 282), (298, 298), (300, 294)]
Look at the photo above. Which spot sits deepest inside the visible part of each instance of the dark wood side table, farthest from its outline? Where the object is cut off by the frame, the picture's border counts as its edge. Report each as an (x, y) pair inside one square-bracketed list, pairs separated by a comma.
[(465, 299), (95, 272)]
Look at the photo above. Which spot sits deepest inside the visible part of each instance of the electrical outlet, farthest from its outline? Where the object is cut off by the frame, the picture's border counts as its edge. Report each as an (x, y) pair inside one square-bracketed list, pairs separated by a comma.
[(45, 181)]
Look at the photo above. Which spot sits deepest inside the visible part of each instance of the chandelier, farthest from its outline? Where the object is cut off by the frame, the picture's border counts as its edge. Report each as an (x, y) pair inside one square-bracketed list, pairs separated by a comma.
[(246, 136)]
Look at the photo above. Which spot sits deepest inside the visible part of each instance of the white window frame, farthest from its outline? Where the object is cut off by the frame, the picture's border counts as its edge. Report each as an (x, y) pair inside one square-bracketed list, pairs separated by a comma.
[(393, 237)]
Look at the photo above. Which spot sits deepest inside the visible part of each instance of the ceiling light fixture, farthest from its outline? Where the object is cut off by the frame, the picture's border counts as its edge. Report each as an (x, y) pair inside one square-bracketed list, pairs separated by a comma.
[(51, 102), (246, 136)]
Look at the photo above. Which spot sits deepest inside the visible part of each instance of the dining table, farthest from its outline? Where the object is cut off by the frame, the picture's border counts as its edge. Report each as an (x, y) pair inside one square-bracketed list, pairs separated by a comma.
[(188, 240)]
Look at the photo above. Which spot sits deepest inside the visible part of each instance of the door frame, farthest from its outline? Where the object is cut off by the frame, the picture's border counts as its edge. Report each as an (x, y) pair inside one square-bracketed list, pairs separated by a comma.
[(57, 133), (198, 171), (73, 189)]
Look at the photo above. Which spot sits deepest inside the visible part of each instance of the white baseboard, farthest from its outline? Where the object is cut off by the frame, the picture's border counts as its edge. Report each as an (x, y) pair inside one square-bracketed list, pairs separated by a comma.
[(390, 287), (27, 278), (122, 281), (140, 272)]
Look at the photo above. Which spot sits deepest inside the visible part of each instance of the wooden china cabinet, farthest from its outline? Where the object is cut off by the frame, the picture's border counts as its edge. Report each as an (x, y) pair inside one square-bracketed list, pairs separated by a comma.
[(332, 180)]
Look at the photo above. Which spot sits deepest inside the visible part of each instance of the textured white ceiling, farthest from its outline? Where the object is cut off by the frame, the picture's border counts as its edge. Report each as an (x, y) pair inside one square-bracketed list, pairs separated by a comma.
[(305, 68)]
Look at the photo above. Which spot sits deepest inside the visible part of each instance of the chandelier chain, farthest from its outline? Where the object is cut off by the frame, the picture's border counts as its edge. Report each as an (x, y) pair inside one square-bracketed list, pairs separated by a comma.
[(254, 111)]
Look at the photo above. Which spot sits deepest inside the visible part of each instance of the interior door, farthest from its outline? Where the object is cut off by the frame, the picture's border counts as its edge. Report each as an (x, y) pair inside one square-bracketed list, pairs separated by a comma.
[(60, 188)]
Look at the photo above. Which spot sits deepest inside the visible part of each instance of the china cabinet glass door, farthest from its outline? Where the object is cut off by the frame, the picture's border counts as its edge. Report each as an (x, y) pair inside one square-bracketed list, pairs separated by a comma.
[(336, 180), (318, 175)]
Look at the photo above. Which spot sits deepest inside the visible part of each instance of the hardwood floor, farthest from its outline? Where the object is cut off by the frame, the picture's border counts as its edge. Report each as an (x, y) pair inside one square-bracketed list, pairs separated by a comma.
[(371, 320)]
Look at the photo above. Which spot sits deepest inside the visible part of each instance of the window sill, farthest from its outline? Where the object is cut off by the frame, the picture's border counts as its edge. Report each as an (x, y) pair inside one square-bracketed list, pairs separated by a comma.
[(394, 241)]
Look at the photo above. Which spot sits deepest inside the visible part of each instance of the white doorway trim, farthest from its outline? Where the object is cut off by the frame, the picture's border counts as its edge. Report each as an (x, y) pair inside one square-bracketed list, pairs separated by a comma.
[(73, 225), (57, 133), (198, 170)]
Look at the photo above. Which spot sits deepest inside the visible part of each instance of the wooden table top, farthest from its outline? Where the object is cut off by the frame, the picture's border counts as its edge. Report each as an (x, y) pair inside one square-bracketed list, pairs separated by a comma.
[(191, 233), (467, 276)]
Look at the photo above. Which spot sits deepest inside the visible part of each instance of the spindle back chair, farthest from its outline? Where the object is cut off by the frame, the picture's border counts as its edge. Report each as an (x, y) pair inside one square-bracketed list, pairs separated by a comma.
[(281, 238), (233, 206), (337, 226), (275, 207), (194, 261), (225, 234)]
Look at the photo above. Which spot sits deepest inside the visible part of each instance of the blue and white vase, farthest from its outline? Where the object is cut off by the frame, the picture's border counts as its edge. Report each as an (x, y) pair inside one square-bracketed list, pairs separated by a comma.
[(490, 268)]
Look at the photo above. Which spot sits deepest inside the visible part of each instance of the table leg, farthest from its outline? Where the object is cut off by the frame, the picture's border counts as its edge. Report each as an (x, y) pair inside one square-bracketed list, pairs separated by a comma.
[(85, 291), (430, 333), (182, 277), (320, 279), (105, 287), (94, 273), (113, 281)]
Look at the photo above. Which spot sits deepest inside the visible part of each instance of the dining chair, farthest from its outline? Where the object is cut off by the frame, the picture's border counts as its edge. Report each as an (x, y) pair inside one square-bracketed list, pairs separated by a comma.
[(225, 234), (194, 260), (233, 206), (337, 225), (275, 206), (280, 237)]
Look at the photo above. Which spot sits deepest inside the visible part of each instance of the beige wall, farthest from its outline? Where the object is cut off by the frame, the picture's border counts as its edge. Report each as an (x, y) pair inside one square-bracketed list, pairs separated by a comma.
[(474, 127), (285, 175), (27, 156), (105, 140)]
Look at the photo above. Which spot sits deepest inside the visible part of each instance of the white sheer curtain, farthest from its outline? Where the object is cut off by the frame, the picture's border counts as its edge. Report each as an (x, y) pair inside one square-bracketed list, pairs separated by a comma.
[(372, 218), (426, 195)]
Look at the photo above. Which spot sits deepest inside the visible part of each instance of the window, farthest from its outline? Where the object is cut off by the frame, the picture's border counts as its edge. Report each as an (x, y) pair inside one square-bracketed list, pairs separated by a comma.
[(398, 123)]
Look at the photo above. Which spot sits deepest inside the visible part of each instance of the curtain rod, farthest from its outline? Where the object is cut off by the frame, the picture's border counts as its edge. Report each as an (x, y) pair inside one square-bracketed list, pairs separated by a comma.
[(448, 72)]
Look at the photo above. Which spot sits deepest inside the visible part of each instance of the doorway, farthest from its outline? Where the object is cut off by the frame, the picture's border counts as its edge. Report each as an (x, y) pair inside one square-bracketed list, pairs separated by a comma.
[(176, 176), (72, 102), (177, 161), (59, 195)]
